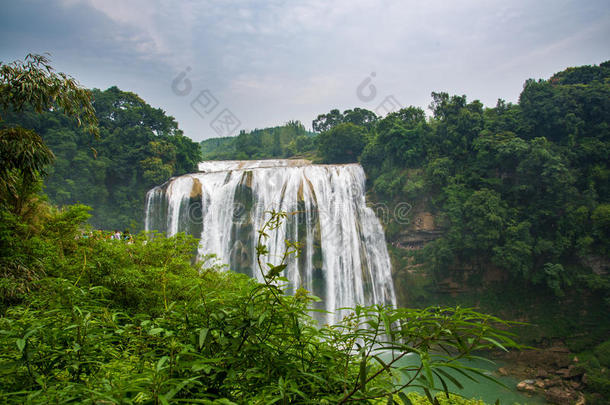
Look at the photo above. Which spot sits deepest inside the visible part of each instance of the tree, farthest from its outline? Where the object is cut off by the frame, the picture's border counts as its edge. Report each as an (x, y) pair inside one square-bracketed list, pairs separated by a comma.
[(325, 122), (342, 144), (33, 84), (357, 116)]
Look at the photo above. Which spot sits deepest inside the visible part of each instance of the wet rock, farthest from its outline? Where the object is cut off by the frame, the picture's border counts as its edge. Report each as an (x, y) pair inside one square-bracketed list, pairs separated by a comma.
[(559, 348), (502, 371), (526, 386), (540, 384), (575, 385), (560, 396), (575, 370)]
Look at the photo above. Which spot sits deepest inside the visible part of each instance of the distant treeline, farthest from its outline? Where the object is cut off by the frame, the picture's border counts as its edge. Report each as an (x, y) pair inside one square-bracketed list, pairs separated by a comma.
[(278, 142)]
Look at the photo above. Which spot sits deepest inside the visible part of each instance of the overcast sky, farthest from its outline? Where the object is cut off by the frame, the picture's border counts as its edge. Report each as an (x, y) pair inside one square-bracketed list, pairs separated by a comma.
[(253, 64)]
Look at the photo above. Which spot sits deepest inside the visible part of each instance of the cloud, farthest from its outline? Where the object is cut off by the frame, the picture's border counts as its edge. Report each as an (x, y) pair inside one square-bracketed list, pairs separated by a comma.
[(273, 60)]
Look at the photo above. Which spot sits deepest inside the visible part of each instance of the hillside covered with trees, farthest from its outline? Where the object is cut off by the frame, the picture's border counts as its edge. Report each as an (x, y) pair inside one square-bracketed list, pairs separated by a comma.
[(138, 147), (277, 142)]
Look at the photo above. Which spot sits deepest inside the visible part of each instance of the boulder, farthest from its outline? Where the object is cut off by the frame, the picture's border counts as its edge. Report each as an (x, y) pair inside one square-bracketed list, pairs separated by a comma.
[(575, 371), (560, 396), (526, 386)]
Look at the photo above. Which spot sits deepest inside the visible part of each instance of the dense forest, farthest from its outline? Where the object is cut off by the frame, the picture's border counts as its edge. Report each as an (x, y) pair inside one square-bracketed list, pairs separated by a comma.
[(138, 148)]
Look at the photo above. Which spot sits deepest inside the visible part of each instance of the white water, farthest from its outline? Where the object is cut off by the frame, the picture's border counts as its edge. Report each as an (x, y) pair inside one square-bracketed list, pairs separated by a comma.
[(343, 260)]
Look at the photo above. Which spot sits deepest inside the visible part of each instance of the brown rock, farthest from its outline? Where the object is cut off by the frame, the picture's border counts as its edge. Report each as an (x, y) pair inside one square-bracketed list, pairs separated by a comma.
[(525, 387), (555, 381), (576, 370), (502, 371), (559, 396), (540, 384), (559, 349), (563, 373), (561, 361), (542, 373), (575, 385)]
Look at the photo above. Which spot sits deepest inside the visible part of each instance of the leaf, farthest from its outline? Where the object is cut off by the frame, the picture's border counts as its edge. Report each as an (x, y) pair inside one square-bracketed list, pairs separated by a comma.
[(178, 388), (161, 363), (203, 333), (496, 343), (428, 395), (363, 373), (428, 372), (21, 344), (405, 399), (155, 331), (451, 378), (276, 270), (445, 389)]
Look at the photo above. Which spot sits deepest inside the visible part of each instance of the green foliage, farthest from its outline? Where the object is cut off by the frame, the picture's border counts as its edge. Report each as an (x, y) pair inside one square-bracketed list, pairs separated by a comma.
[(278, 142), (139, 147), (441, 399), (357, 116), (342, 144), (137, 322), (33, 83), (602, 352), (523, 188)]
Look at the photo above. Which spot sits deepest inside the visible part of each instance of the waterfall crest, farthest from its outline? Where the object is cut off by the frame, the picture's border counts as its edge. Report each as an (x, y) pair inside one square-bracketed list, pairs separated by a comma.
[(343, 259)]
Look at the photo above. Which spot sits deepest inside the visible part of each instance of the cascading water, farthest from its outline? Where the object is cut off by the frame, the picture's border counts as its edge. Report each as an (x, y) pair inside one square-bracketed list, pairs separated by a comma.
[(343, 258)]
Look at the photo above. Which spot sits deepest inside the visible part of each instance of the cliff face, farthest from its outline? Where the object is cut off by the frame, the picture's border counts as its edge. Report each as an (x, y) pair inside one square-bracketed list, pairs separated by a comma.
[(411, 281), (414, 283), (421, 230)]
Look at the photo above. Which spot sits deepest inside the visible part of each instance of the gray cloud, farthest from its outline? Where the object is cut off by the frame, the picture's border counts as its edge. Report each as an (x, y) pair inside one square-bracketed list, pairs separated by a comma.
[(272, 61)]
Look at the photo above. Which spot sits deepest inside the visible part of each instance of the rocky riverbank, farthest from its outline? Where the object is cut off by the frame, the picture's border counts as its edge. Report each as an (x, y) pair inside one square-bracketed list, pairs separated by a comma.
[(553, 372)]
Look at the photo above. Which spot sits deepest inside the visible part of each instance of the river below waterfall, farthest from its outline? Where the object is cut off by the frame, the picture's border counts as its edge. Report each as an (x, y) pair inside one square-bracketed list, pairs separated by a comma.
[(482, 389)]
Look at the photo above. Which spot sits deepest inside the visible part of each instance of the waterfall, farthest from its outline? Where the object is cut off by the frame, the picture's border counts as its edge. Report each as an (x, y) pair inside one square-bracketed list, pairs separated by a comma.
[(343, 258)]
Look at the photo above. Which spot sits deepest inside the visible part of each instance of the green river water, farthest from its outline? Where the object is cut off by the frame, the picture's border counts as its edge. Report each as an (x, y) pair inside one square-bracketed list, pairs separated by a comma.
[(484, 389)]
